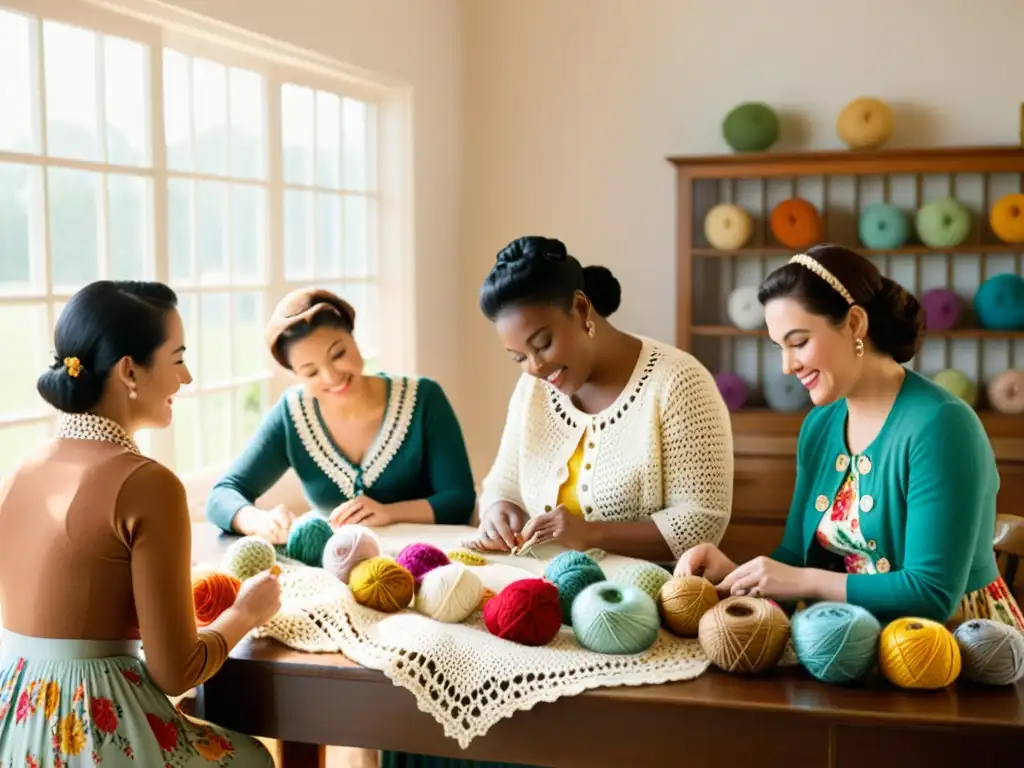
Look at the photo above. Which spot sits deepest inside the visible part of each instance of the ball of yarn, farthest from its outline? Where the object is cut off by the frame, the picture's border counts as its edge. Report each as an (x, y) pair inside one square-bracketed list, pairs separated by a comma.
[(348, 547), (248, 556), (467, 557), (918, 653), (836, 642), (648, 576), (744, 634), (752, 126), (992, 652), (449, 593), (732, 389), (999, 302), (527, 611), (572, 572), (382, 584), (865, 123), (784, 392), (943, 223), (743, 308), (1006, 392), (958, 383), (883, 227), (795, 223), (212, 594), (421, 558), (941, 309), (307, 539), (609, 617), (727, 227), (1007, 218), (683, 601)]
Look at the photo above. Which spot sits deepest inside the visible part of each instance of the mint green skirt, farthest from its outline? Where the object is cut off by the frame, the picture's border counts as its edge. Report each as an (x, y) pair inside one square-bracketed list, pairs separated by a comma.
[(72, 703)]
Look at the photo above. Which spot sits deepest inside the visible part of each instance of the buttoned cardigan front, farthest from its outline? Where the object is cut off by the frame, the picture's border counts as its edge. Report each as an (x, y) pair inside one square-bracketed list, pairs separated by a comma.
[(927, 485)]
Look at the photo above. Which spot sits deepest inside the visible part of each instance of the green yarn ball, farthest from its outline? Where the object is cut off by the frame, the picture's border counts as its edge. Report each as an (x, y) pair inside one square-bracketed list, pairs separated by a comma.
[(836, 642), (571, 572), (615, 618), (308, 538), (647, 576), (943, 223), (248, 556), (751, 127)]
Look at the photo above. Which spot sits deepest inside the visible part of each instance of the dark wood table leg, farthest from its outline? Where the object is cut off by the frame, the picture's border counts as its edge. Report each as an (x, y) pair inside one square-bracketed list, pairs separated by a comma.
[(296, 754)]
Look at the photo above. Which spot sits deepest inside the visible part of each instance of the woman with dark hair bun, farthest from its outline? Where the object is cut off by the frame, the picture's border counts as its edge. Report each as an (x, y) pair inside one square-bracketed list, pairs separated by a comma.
[(95, 559), (895, 501), (612, 441)]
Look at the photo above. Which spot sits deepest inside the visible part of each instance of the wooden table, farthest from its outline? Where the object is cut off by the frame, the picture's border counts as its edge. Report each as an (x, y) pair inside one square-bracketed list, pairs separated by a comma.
[(782, 718)]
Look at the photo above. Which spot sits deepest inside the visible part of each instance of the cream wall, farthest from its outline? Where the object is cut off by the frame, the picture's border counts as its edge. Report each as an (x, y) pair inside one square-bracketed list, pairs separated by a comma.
[(571, 106)]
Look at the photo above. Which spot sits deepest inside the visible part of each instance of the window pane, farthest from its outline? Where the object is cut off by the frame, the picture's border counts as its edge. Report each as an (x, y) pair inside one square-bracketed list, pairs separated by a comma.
[(179, 230), (354, 131), (248, 232), (328, 235), (214, 341), (211, 216), (69, 59), (215, 412), (188, 306), (210, 88), (359, 260), (74, 210), (248, 150), (16, 83), (363, 298), (247, 341), (186, 435), (129, 234), (126, 68), (328, 139), (250, 405), (297, 133), (177, 111), (16, 442), (26, 343), (298, 215), (19, 210)]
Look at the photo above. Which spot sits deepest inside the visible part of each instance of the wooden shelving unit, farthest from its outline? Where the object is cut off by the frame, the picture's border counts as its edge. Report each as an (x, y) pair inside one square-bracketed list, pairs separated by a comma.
[(840, 184)]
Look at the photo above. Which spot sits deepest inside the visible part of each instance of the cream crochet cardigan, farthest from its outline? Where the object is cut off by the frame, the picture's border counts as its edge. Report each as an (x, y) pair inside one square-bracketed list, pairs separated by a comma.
[(662, 450)]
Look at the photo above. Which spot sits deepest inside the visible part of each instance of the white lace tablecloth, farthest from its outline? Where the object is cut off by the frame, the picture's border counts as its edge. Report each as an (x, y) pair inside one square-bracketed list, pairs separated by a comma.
[(463, 676)]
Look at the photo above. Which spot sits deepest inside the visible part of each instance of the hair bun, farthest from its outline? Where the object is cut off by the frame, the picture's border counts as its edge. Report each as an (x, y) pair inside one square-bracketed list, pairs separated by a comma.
[(531, 247), (896, 321), (603, 289)]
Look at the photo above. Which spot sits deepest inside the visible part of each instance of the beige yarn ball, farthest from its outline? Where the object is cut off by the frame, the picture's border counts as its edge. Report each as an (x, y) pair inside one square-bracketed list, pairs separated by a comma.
[(728, 227), (865, 123), (1006, 392), (449, 593)]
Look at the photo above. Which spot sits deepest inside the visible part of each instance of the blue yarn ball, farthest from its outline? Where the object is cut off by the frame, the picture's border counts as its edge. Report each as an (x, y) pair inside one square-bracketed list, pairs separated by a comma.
[(836, 642), (615, 618), (571, 572), (883, 227), (308, 538), (999, 302)]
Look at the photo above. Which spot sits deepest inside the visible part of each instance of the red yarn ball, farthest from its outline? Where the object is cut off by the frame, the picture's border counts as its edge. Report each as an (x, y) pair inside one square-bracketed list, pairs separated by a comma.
[(419, 559), (526, 611), (212, 594)]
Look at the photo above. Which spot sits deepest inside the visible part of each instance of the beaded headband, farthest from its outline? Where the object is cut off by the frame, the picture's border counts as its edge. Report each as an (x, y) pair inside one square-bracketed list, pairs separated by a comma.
[(806, 261)]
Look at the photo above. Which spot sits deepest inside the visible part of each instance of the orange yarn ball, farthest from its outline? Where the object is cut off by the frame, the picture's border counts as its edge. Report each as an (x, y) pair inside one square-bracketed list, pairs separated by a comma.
[(212, 594), (795, 223)]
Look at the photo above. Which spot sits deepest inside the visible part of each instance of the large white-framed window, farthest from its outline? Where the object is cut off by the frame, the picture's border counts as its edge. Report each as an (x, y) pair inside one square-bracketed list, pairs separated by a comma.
[(134, 149)]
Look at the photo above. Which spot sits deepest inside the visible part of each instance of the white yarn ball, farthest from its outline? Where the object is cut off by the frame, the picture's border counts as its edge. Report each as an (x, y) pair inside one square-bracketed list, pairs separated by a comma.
[(348, 547), (744, 310), (449, 593)]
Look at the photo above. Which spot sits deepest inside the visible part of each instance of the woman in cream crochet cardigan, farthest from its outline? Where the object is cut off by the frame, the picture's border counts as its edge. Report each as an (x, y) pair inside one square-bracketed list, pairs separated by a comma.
[(611, 441)]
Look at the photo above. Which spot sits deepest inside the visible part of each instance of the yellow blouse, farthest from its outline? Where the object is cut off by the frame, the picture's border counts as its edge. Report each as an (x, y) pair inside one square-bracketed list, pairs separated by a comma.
[(567, 496)]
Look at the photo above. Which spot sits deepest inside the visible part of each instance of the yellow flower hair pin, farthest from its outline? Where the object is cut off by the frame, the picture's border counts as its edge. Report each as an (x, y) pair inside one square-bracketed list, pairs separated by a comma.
[(73, 366)]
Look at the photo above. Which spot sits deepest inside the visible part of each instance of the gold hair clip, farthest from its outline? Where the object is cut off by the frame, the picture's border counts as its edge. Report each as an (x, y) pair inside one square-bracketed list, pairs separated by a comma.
[(73, 366), (806, 261)]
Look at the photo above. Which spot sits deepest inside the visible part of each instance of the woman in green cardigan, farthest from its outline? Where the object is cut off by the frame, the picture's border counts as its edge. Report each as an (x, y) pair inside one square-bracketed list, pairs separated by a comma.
[(895, 500), (374, 450)]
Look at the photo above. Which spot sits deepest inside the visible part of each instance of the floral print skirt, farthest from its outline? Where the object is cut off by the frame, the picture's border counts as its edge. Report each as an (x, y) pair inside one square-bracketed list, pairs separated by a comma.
[(71, 703)]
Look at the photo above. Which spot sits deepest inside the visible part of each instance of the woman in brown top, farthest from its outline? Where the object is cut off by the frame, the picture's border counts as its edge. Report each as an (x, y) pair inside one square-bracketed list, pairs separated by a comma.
[(95, 559)]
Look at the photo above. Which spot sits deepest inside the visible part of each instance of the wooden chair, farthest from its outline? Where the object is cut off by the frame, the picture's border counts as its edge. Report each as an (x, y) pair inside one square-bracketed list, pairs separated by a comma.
[(1009, 545)]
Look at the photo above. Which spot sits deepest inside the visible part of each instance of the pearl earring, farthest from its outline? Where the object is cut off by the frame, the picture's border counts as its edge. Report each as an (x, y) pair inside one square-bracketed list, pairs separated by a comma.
[(590, 328), (132, 394), (858, 347)]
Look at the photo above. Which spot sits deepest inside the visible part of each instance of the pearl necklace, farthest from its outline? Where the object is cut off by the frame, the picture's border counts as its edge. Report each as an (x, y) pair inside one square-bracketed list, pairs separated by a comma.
[(87, 426)]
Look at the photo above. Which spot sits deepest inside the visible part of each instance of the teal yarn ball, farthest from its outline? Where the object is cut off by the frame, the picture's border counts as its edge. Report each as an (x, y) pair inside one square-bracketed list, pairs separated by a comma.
[(751, 127), (836, 642), (308, 538), (571, 572), (999, 302), (613, 618), (648, 576), (249, 556), (883, 227)]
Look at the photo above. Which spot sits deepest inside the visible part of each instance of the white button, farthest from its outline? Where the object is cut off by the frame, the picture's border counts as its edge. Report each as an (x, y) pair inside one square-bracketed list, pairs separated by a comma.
[(863, 465), (842, 462), (866, 503), (821, 503), (872, 544), (882, 565)]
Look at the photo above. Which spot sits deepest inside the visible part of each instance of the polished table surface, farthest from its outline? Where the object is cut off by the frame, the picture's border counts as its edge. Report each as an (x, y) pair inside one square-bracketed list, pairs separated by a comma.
[(783, 717)]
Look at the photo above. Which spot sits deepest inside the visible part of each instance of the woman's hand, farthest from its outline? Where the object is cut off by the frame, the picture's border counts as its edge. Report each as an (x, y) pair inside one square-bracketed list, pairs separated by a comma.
[(270, 524), (764, 577), (559, 525), (362, 510), (705, 560), (500, 528), (259, 599)]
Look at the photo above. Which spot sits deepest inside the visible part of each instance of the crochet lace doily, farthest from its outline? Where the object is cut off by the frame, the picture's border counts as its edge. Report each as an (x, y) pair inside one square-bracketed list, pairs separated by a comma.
[(463, 676)]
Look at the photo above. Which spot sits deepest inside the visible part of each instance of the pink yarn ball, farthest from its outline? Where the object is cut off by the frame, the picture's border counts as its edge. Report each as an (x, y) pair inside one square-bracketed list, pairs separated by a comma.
[(419, 559), (348, 547)]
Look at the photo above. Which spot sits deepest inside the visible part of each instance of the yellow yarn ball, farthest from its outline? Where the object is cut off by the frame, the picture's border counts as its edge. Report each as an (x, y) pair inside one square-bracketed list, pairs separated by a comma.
[(466, 557), (918, 653), (382, 584)]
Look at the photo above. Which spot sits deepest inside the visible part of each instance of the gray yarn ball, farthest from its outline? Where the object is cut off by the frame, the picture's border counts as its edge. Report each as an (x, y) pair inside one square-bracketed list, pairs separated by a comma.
[(992, 652)]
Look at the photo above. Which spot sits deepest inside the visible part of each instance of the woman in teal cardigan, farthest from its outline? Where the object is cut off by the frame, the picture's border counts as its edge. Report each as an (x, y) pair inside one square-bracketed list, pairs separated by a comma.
[(374, 450), (895, 500)]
